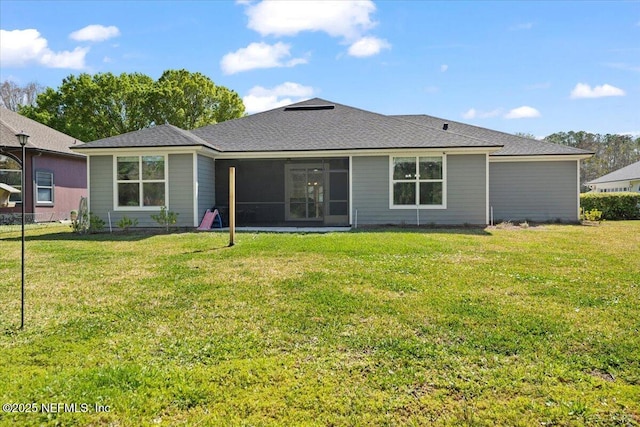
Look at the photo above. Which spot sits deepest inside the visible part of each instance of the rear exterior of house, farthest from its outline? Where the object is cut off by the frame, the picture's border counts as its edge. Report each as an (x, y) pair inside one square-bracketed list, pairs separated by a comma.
[(318, 163)]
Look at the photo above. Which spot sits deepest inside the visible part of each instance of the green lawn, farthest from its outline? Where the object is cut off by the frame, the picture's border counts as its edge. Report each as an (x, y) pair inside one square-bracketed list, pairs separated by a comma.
[(513, 327)]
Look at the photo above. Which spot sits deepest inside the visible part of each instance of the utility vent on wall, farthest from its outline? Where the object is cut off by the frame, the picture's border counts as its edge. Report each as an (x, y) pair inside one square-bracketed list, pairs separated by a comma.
[(309, 107)]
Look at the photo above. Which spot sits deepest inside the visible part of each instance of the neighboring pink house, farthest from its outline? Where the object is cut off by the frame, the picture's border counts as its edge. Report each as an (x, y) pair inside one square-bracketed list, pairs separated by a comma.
[(56, 177)]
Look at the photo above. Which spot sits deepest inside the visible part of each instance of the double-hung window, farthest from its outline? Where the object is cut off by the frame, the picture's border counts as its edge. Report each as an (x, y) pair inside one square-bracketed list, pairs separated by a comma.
[(44, 188), (141, 181), (418, 181)]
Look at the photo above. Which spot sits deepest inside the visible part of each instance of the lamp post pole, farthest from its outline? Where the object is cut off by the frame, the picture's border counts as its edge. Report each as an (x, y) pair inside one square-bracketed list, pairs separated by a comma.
[(22, 138)]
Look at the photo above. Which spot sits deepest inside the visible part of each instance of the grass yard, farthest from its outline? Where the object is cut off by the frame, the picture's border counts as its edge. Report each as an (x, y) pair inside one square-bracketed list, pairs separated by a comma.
[(513, 327)]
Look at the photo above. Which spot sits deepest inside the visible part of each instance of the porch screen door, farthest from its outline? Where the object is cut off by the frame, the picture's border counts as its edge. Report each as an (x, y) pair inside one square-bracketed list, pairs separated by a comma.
[(304, 188)]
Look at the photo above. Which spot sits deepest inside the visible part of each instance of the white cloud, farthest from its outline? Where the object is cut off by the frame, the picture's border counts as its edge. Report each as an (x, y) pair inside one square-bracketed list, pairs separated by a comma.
[(262, 99), (583, 90), (472, 113), (348, 19), (368, 46), (95, 33), (20, 47), (444, 67), (259, 55), (524, 112)]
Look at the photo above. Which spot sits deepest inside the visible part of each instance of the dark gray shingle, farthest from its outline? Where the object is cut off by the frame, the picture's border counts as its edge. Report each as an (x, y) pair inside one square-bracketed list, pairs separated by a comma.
[(512, 145)]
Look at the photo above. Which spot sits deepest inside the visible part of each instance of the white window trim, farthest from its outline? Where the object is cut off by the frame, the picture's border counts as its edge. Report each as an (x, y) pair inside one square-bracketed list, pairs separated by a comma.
[(38, 187), (116, 182), (443, 180)]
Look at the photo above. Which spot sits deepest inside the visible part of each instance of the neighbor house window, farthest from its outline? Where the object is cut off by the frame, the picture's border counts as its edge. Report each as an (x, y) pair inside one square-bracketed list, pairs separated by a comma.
[(11, 174), (44, 187), (141, 181), (418, 181)]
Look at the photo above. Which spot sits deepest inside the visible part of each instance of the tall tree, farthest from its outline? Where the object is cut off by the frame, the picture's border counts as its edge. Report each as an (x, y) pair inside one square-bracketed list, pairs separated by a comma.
[(612, 151), (90, 107), (12, 96), (191, 100)]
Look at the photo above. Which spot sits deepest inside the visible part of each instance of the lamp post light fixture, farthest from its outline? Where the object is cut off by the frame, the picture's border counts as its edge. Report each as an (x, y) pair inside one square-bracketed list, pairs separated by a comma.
[(22, 139)]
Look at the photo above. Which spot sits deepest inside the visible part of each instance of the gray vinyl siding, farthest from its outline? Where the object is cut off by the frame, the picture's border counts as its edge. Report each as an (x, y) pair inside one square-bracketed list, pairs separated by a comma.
[(466, 193), (180, 198), (181, 191), (101, 186), (206, 185), (534, 191)]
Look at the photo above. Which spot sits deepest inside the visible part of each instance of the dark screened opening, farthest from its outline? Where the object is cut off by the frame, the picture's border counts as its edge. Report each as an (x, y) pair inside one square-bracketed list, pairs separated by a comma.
[(286, 192)]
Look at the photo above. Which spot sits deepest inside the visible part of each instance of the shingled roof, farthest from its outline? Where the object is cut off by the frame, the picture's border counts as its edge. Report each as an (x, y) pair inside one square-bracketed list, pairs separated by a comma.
[(156, 136), (318, 125), (513, 145), (41, 137), (627, 173)]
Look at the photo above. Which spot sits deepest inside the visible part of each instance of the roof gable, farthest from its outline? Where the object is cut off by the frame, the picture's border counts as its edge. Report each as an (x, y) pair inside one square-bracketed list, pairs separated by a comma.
[(40, 136)]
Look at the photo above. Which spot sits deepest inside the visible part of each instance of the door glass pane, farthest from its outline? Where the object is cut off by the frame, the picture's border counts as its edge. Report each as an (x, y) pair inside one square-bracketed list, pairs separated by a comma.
[(298, 185), (430, 193), (404, 193), (404, 168), (315, 193)]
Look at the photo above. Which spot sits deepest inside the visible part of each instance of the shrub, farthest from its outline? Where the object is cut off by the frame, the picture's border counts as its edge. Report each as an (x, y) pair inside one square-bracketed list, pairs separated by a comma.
[(125, 223), (165, 218), (612, 205), (594, 215), (96, 223)]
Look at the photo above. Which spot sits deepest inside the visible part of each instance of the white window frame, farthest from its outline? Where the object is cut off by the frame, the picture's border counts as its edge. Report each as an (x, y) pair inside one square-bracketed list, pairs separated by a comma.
[(417, 181), (140, 181), (50, 187)]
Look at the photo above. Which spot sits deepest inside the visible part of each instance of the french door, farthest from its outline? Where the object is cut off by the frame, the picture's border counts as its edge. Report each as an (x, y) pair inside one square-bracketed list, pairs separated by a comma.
[(304, 192)]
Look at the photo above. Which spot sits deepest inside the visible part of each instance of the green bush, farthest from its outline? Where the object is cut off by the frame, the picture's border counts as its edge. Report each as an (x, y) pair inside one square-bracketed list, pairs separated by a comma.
[(612, 205), (125, 223), (594, 215), (165, 218), (96, 224)]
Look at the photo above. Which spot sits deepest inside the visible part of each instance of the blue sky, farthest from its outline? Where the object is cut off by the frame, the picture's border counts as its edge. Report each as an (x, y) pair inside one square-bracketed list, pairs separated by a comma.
[(535, 67)]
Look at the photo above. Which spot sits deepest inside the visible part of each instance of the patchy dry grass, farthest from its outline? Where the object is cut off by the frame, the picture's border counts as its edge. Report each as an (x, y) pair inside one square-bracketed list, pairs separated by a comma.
[(514, 326)]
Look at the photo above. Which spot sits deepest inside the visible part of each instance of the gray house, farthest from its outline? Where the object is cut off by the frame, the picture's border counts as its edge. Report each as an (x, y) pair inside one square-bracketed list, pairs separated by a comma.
[(319, 163)]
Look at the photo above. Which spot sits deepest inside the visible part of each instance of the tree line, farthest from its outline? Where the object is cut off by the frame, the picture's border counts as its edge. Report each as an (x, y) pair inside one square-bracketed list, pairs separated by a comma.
[(90, 107), (612, 152)]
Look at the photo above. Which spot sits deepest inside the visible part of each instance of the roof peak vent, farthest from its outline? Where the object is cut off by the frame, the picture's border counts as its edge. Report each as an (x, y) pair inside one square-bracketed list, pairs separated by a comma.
[(310, 107), (445, 126)]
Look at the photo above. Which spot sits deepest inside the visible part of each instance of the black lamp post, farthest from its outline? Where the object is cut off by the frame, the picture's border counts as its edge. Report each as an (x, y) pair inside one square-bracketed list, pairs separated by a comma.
[(22, 139)]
